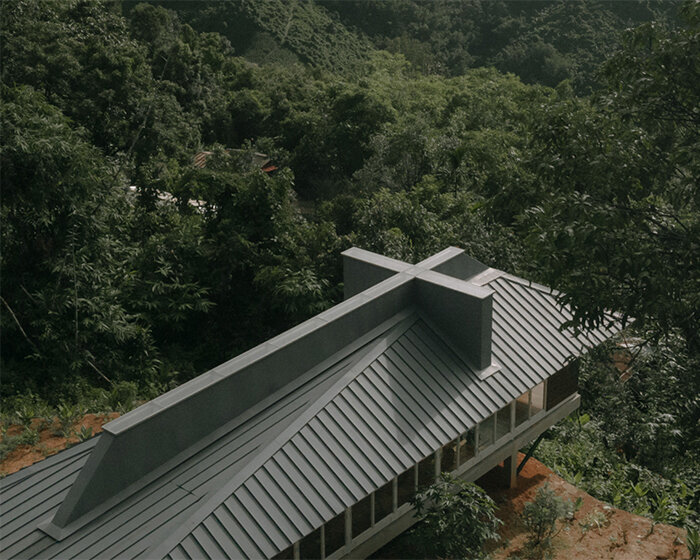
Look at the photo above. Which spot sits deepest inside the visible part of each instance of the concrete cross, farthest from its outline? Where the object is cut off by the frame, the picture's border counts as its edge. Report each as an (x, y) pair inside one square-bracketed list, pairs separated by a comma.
[(444, 288)]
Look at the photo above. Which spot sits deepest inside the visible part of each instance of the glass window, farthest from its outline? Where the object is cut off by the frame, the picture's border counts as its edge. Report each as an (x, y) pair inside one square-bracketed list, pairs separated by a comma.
[(537, 400), (383, 501), (503, 422), (310, 545), (335, 533), (466, 446), (448, 461), (407, 486), (522, 408), (562, 385), (486, 434), (361, 516), (426, 471)]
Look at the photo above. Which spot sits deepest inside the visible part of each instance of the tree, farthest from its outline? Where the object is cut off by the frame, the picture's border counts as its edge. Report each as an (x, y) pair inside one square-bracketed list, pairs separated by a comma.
[(618, 225), (65, 255), (456, 519), (411, 225), (264, 264), (80, 57)]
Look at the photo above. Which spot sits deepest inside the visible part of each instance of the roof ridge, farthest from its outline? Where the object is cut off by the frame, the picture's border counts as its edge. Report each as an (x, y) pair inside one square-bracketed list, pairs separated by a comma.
[(528, 284), (143, 441), (401, 323)]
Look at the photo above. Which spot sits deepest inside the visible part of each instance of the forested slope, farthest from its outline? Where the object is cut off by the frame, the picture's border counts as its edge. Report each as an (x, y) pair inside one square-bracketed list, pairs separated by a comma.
[(115, 287)]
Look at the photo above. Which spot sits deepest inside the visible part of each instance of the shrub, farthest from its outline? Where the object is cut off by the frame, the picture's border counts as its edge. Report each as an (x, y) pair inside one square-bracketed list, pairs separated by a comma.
[(123, 395), (692, 540), (9, 443), (68, 415), (577, 452), (541, 516), (457, 518), (22, 409), (85, 433)]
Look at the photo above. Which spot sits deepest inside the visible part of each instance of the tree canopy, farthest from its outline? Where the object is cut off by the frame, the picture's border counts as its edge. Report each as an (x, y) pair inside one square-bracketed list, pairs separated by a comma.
[(556, 140)]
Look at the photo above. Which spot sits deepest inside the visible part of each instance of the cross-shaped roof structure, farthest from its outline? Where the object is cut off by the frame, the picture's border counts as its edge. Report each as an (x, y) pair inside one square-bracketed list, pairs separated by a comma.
[(258, 455)]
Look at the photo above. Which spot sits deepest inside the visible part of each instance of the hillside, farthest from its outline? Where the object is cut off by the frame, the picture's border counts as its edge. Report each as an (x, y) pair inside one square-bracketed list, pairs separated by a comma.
[(598, 531), (281, 31), (542, 137)]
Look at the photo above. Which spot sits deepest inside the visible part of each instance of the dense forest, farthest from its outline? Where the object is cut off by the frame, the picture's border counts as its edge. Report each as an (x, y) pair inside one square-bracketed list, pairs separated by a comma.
[(555, 140)]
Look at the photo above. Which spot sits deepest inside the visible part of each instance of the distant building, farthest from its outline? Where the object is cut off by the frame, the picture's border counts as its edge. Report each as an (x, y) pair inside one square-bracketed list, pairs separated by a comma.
[(312, 444), (257, 159)]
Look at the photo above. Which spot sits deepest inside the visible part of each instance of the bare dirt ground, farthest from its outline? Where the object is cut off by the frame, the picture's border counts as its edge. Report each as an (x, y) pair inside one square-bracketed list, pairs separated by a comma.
[(50, 440), (598, 531)]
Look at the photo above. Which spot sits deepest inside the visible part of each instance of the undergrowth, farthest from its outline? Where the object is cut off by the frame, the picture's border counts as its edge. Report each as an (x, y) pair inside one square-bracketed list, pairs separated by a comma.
[(575, 450)]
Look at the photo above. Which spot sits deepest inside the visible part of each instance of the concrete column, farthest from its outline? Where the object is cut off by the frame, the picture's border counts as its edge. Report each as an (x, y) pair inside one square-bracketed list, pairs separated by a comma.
[(458, 451), (510, 474), (348, 528)]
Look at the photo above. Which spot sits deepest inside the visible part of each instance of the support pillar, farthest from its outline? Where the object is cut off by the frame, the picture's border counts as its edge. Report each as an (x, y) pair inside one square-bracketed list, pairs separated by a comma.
[(510, 474)]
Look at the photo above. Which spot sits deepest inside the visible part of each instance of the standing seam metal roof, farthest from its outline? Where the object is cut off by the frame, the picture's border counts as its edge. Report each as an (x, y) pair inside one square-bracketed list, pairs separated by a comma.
[(314, 447), (425, 395)]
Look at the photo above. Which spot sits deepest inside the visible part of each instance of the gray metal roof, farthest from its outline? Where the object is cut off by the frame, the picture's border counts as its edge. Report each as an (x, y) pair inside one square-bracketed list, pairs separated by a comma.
[(353, 415), (413, 396), (526, 338), (134, 525)]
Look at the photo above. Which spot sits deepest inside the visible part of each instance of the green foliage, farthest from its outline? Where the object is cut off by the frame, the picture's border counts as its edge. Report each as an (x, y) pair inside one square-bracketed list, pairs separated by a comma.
[(302, 28), (411, 225), (456, 519), (651, 417), (123, 396), (112, 294), (8, 444), (68, 415), (82, 60), (579, 455), (692, 540), (542, 42), (22, 409), (594, 520), (617, 225), (540, 518), (85, 433), (63, 223)]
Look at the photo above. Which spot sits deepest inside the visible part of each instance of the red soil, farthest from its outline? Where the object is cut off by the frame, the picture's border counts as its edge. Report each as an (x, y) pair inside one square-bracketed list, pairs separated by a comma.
[(618, 535), (49, 441)]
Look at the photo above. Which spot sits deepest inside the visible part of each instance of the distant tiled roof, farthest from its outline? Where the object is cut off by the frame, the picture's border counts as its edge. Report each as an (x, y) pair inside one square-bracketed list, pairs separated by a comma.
[(257, 159)]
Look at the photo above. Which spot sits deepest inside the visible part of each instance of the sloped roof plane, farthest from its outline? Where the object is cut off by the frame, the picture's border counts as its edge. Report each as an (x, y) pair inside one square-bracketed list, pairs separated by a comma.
[(248, 458)]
